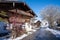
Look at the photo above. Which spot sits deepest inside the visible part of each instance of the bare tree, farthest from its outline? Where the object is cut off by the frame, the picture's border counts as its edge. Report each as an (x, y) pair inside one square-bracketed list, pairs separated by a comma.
[(51, 13)]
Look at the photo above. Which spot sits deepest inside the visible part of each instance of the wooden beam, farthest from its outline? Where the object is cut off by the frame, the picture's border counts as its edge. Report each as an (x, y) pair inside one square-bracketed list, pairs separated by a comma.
[(21, 12)]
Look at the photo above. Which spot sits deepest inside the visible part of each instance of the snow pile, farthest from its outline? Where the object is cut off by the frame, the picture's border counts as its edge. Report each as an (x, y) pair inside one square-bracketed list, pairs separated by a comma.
[(55, 32), (18, 38), (24, 35), (21, 37)]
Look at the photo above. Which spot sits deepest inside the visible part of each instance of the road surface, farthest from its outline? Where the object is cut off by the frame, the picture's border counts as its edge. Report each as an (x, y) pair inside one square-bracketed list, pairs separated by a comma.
[(42, 34)]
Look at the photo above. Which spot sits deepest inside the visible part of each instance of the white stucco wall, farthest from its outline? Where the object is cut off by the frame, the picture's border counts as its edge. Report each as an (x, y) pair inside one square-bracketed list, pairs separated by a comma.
[(28, 27), (43, 24)]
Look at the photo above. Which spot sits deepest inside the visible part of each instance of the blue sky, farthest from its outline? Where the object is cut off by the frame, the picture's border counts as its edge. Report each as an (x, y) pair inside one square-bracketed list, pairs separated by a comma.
[(37, 5)]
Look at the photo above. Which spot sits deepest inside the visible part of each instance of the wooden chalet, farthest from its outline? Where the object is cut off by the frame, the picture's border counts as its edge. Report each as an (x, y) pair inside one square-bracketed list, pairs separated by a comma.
[(18, 9), (17, 12)]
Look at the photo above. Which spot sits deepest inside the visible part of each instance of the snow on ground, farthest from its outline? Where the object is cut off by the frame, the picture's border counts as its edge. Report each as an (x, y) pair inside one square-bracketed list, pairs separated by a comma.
[(18, 38), (55, 32), (24, 35), (21, 37)]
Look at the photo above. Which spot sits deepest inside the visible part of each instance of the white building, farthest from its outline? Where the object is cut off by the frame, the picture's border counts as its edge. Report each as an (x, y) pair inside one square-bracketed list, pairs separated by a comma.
[(44, 23)]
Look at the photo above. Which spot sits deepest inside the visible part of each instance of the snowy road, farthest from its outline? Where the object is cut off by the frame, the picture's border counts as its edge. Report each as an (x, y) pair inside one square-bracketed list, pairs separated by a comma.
[(44, 34)]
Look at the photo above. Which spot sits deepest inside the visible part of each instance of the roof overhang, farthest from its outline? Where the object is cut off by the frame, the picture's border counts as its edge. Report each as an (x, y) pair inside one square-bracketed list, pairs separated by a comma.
[(17, 11), (16, 5)]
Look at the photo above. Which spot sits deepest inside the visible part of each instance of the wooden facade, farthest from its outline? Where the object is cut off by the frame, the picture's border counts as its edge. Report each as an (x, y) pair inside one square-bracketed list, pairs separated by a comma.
[(17, 13), (15, 9), (3, 16)]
